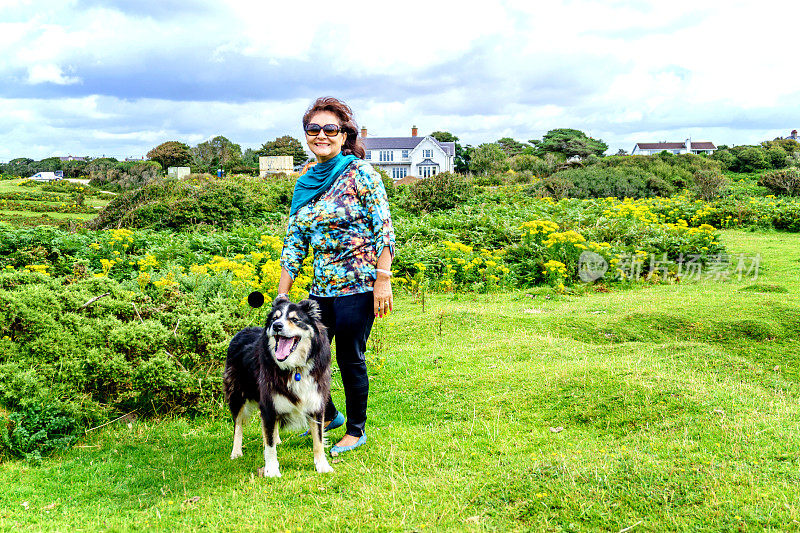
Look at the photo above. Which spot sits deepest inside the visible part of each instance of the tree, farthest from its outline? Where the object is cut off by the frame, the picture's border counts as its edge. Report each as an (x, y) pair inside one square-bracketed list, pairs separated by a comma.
[(488, 158), (749, 159), (570, 143), (250, 157), (215, 153), (621, 151), (511, 146), (286, 145), (171, 154), (462, 158)]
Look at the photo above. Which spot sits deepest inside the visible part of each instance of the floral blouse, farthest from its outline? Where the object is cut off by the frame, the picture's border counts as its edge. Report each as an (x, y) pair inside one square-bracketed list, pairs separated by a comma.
[(347, 228)]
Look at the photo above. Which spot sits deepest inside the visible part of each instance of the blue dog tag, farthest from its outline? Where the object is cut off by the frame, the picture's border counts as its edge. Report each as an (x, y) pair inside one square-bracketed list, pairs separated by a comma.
[(297, 376)]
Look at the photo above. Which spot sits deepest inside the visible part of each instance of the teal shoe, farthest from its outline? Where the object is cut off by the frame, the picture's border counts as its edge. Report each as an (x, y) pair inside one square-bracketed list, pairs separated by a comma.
[(336, 450), (333, 424)]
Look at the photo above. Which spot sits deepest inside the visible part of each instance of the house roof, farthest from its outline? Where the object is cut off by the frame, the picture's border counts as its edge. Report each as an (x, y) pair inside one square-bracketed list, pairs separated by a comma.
[(696, 145), (427, 161), (703, 145), (661, 146), (404, 143)]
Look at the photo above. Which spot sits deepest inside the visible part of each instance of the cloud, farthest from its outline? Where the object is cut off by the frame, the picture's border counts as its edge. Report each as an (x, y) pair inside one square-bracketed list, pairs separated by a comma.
[(49, 73), (115, 76)]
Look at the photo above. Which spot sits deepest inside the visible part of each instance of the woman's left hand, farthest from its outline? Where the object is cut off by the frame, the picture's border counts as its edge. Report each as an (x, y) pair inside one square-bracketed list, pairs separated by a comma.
[(383, 301)]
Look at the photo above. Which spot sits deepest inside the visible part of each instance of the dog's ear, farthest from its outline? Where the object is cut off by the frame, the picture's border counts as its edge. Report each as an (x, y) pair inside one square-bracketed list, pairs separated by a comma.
[(311, 308), (255, 299)]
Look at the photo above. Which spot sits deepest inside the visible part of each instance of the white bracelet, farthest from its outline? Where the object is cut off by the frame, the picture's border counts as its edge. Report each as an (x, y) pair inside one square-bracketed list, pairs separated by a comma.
[(282, 294), (384, 271)]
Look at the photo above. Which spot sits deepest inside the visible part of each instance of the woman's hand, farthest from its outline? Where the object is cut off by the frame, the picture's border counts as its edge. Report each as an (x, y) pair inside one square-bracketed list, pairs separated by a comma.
[(383, 301)]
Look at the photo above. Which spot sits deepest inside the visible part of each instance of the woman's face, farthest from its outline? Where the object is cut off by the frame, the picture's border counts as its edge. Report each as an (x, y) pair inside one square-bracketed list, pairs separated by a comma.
[(325, 147)]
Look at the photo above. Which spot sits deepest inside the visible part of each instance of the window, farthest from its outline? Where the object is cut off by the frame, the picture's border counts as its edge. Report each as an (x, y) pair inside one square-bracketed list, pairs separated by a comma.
[(368, 155), (426, 171), (427, 153), (405, 154), (386, 155), (399, 172)]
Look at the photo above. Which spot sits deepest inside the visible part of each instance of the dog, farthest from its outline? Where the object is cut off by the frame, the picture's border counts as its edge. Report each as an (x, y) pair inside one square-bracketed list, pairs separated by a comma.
[(285, 369)]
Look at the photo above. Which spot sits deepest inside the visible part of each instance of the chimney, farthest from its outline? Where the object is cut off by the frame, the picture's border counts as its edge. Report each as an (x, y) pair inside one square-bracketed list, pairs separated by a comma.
[(413, 131), (363, 132)]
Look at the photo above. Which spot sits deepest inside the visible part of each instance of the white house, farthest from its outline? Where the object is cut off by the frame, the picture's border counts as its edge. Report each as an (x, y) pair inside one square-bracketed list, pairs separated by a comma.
[(417, 156), (686, 147)]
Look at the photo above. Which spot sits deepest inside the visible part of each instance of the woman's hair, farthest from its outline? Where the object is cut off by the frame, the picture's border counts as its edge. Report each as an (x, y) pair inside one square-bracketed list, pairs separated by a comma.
[(347, 123)]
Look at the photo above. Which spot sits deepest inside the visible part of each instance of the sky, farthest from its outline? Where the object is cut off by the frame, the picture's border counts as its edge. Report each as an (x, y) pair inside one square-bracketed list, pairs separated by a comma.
[(118, 77)]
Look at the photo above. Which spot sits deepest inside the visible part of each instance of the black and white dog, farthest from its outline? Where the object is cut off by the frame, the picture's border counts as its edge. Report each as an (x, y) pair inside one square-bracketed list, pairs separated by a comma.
[(284, 368)]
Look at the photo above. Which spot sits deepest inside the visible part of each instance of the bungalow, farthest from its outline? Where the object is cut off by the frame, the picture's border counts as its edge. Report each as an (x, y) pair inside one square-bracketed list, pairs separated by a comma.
[(72, 158), (422, 157), (686, 147)]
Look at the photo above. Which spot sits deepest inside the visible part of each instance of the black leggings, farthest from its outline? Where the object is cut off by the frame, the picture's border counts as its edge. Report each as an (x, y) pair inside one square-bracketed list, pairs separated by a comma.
[(349, 319)]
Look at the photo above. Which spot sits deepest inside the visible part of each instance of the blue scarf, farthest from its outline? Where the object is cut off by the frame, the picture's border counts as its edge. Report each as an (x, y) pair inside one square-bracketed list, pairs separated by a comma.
[(317, 180)]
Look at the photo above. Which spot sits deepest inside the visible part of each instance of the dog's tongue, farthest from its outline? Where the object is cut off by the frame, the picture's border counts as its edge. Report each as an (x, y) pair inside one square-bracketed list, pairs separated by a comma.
[(284, 347)]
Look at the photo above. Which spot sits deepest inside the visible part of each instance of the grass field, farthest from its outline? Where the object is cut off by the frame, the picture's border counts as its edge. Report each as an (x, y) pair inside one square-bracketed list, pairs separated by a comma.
[(19, 215), (660, 408)]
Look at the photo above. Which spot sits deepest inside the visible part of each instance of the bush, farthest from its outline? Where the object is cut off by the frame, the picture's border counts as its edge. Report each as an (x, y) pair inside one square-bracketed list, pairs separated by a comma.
[(441, 191), (784, 182), (597, 182), (38, 429), (709, 184), (198, 199), (122, 176)]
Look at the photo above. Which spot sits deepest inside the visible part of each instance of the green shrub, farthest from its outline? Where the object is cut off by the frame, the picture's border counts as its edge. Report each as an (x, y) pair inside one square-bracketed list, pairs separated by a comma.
[(709, 184), (441, 191), (785, 182), (598, 182), (198, 200), (39, 429), (787, 217)]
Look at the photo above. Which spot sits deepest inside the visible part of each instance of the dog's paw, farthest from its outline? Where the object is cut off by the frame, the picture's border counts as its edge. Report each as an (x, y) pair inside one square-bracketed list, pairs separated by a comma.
[(236, 454), (323, 467), (269, 471)]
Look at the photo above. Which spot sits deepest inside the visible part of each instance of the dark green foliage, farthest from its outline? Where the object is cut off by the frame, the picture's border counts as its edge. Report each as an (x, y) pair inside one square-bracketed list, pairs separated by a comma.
[(116, 176), (286, 145), (529, 163), (596, 182), (784, 182), (488, 158), (569, 142), (195, 200), (171, 154), (441, 191), (709, 184), (511, 146), (219, 152), (37, 430), (787, 217)]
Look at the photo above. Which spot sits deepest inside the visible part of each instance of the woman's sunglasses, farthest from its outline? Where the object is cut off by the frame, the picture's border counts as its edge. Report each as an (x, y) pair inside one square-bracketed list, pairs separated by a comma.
[(331, 130)]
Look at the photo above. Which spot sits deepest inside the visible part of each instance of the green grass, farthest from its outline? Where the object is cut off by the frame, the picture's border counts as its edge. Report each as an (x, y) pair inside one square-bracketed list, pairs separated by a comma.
[(678, 403), (36, 217), (35, 214)]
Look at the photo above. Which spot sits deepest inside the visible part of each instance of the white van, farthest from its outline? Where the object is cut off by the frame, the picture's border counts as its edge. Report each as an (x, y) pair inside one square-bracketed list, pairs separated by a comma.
[(48, 176)]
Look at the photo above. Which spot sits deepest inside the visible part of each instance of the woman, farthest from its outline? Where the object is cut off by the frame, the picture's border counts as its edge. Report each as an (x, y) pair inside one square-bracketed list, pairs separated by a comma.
[(340, 209)]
